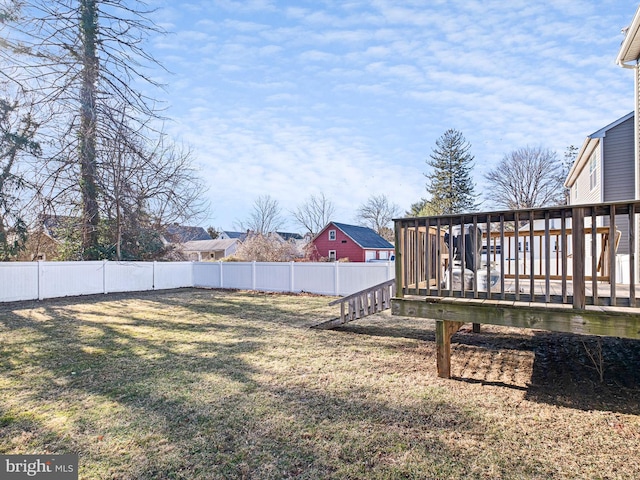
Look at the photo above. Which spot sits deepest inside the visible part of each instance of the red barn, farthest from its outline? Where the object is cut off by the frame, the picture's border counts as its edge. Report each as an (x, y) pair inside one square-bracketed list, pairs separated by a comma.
[(339, 241)]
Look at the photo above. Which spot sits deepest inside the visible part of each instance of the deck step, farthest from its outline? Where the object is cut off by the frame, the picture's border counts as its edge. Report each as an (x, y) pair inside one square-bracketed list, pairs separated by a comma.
[(361, 304)]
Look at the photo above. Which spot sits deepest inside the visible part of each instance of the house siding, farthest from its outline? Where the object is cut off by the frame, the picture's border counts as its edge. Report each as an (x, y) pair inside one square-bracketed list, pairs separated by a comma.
[(585, 193), (345, 247), (619, 173)]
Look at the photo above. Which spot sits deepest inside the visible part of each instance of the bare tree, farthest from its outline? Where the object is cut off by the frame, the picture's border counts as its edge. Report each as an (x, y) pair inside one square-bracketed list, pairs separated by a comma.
[(144, 186), (377, 213), (265, 217), (81, 58), (258, 247), (314, 213), (526, 178), (17, 138)]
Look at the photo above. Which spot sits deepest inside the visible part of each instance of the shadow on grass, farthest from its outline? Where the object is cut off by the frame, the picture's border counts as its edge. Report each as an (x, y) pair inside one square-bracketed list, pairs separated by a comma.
[(189, 406), (561, 371)]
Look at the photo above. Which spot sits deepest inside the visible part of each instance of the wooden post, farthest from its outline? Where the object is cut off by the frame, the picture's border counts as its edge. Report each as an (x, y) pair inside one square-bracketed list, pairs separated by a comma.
[(399, 253), (444, 330), (578, 241), (476, 328)]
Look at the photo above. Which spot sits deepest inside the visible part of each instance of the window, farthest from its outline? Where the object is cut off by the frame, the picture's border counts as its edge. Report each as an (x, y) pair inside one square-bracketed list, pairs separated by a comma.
[(383, 255), (332, 235), (593, 172), (332, 255)]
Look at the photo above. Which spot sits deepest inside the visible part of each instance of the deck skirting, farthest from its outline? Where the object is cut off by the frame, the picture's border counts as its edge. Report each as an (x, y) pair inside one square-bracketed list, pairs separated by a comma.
[(592, 320)]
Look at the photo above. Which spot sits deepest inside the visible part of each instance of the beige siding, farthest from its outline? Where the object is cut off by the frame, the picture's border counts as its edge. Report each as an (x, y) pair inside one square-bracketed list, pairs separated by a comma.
[(585, 193)]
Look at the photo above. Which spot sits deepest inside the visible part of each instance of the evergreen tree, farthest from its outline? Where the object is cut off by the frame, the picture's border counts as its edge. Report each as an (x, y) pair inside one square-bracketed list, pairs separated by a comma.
[(450, 184)]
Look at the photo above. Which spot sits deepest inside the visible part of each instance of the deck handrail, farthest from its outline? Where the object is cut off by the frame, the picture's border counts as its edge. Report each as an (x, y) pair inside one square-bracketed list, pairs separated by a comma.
[(556, 255)]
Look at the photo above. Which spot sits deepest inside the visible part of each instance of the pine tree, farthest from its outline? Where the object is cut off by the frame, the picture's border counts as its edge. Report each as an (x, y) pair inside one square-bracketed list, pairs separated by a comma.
[(450, 184)]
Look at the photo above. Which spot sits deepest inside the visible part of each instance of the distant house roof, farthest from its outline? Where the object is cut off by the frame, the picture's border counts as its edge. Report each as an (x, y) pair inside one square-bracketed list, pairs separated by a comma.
[(208, 245), (286, 236), (182, 234), (363, 236), (55, 225), (238, 235)]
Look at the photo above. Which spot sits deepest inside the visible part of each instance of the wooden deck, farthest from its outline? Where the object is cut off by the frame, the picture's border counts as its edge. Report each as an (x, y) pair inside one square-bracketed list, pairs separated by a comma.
[(555, 271)]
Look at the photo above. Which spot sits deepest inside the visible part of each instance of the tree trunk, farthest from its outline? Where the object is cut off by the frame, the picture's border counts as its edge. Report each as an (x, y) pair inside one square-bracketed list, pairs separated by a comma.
[(88, 123)]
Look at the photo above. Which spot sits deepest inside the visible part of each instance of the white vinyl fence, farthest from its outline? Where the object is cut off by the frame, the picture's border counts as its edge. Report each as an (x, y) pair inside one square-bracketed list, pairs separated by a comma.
[(40, 280)]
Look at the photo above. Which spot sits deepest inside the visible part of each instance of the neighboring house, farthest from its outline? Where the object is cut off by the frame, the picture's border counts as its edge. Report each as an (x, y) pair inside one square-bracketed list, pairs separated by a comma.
[(339, 241), (181, 234), (202, 250), (605, 171), (628, 57), (45, 240)]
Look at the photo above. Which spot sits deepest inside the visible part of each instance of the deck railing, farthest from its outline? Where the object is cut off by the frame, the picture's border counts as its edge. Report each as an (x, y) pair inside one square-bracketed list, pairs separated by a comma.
[(576, 255)]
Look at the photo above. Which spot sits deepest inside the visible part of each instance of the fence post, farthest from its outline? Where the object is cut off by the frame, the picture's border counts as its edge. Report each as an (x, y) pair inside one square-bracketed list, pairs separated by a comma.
[(104, 277), (253, 275), (291, 277), (221, 277), (153, 276), (336, 285), (38, 279)]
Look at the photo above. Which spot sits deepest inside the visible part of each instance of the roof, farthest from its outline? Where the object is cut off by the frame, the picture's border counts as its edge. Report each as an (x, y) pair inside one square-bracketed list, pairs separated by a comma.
[(55, 225), (630, 48), (208, 245), (286, 236), (239, 235), (182, 233), (363, 236), (588, 146), (603, 131)]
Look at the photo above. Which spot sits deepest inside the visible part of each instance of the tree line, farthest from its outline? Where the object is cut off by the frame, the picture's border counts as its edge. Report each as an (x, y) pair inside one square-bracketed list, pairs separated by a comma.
[(81, 137)]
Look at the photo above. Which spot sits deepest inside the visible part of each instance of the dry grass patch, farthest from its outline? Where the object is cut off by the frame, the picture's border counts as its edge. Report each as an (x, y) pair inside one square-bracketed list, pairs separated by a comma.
[(212, 384)]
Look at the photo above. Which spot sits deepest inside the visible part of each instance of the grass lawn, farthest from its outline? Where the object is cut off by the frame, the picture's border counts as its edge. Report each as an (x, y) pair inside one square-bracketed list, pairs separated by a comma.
[(216, 384)]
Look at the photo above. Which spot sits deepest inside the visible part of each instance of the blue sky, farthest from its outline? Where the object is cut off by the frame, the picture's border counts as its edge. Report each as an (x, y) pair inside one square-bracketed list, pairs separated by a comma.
[(347, 98)]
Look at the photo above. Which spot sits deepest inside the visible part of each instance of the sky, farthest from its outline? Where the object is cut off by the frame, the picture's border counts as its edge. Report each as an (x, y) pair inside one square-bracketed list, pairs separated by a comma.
[(348, 97)]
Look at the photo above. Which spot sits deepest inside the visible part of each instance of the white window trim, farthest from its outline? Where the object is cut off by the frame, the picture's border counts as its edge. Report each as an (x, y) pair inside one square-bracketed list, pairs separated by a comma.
[(593, 172), (332, 233), (335, 255)]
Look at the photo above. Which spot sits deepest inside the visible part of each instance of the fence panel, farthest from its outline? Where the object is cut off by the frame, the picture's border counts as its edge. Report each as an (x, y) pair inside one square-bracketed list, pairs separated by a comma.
[(128, 276), (237, 275), (18, 281), (315, 278), (273, 277), (353, 277), (63, 279), (207, 274), (173, 275)]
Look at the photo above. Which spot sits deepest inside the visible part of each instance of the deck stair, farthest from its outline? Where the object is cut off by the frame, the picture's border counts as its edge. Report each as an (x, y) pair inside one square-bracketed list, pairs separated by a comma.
[(361, 304)]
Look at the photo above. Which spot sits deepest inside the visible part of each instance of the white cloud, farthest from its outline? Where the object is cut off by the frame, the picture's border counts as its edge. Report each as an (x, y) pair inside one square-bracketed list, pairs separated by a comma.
[(348, 98)]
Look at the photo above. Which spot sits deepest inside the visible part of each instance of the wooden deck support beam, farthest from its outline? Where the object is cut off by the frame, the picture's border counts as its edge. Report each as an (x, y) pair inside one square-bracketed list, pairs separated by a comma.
[(444, 330)]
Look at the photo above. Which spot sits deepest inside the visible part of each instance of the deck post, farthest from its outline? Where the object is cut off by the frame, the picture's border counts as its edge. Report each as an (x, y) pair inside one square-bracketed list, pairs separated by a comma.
[(578, 250), (444, 330), (399, 258)]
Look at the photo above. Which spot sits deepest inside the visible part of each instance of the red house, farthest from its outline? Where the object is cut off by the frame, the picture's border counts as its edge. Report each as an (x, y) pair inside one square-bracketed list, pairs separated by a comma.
[(339, 241)]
